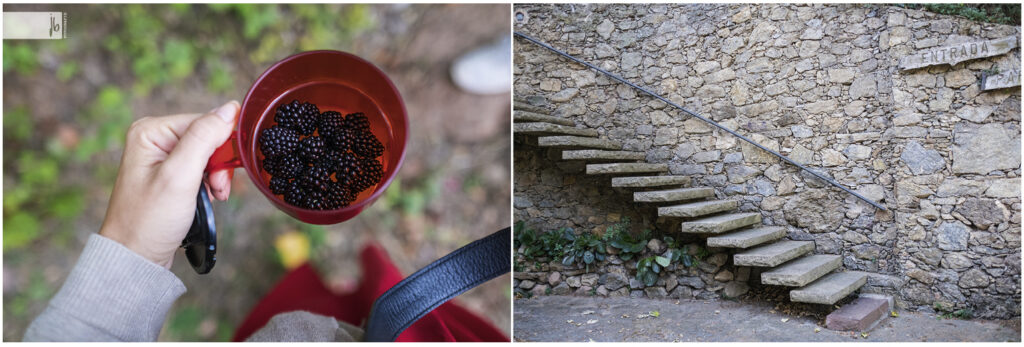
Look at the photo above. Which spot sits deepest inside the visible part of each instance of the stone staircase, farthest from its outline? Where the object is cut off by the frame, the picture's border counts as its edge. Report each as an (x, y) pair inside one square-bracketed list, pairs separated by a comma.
[(784, 262)]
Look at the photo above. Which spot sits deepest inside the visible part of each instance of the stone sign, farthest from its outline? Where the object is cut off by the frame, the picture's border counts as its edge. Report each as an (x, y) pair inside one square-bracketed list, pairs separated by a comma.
[(957, 53), (1006, 79)]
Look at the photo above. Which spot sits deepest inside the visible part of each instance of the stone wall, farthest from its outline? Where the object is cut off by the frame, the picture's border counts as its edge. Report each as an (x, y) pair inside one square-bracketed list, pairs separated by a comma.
[(820, 84)]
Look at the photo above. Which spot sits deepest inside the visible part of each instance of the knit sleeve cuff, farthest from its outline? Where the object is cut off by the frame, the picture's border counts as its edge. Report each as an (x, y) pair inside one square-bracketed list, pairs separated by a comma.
[(118, 291)]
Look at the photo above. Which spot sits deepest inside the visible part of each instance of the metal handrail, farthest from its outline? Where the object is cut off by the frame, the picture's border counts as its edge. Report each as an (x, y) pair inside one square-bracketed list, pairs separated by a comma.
[(706, 120)]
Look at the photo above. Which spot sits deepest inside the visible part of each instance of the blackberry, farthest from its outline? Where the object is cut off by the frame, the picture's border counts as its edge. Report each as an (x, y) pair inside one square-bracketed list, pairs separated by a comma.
[(299, 117), (331, 123), (343, 140), (311, 148), (316, 179), (279, 185), (372, 172), (367, 146), (357, 122), (295, 196), (285, 166), (338, 197), (347, 169), (315, 201), (276, 141)]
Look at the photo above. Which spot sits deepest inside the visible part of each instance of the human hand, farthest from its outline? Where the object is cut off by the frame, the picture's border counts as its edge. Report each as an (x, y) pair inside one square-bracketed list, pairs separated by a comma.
[(154, 199)]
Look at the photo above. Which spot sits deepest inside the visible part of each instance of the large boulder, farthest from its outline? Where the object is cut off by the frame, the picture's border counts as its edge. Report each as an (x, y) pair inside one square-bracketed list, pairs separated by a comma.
[(815, 211)]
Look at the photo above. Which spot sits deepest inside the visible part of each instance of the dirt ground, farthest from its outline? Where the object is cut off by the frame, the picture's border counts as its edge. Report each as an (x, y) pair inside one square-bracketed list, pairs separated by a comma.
[(583, 319), (453, 188)]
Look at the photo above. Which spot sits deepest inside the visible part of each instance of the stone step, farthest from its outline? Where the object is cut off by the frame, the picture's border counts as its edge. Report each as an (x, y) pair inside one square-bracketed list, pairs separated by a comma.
[(577, 142), (829, 289), (800, 272), (699, 208), (747, 238), (721, 223), (773, 254), (544, 129), (523, 106), (673, 194), (596, 154), (648, 181), (527, 116), (625, 168)]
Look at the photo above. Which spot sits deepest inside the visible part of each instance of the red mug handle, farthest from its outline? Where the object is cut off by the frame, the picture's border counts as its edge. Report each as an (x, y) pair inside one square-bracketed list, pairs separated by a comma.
[(226, 156)]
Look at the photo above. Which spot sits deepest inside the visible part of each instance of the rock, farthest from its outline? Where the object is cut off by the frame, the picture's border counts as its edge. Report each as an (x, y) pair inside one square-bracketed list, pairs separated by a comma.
[(704, 67), (724, 276), (960, 187), (921, 276), (671, 282), (831, 157), (723, 75), (605, 29), (573, 281), (620, 292), (631, 60), (983, 212), (589, 280), (554, 278), (857, 152), (863, 87), (565, 95), (814, 210), (941, 100), (986, 148), (975, 114), (584, 291), (844, 76), (636, 293), (974, 278), (741, 16), (952, 236), (693, 282), (956, 261), (527, 284), (907, 119), (735, 289), (717, 259), (561, 289), (801, 131), (732, 44), (957, 78), (635, 283), (656, 292), (540, 289), (1004, 188), (656, 246), (614, 281), (801, 154), (682, 292), (521, 202), (741, 173), (922, 161), (872, 191)]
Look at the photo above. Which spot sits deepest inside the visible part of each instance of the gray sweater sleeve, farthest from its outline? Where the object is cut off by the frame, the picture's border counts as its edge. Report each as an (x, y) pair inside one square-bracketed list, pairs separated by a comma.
[(112, 294)]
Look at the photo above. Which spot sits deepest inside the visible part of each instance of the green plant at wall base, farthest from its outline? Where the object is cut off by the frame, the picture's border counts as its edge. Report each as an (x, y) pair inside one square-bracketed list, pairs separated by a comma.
[(617, 236), (647, 269), (585, 249)]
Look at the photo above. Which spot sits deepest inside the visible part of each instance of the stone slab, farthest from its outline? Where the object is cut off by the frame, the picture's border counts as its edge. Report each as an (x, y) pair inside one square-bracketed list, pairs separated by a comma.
[(625, 168), (720, 223), (954, 54), (802, 271), (542, 128), (673, 194), (860, 315), (527, 116), (520, 105), (829, 289), (596, 154), (1005, 79), (747, 238), (648, 181), (699, 208), (773, 254), (578, 142)]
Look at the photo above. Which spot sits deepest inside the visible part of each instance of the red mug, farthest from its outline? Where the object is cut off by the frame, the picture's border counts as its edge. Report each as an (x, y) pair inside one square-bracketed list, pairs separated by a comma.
[(334, 81)]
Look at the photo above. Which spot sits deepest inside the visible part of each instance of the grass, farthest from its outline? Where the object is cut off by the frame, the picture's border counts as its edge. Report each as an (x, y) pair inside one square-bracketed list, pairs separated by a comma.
[(990, 13)]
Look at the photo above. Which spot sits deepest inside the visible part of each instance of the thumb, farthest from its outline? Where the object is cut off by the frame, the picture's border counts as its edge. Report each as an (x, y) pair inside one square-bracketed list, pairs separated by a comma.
[(203, 136)]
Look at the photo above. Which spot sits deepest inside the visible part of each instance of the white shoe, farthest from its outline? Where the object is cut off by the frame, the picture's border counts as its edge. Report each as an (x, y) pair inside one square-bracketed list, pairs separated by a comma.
[(485, 70)]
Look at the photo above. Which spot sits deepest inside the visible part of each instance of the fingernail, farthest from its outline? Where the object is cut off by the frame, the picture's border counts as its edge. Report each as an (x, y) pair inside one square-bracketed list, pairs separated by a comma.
[(227, 111)]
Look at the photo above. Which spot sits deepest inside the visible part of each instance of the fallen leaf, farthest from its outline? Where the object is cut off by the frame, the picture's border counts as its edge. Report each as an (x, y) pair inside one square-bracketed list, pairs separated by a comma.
[(894, 314), (656, 314), (592, 321), (625, 316), (587, 312), (864, 335), (817, 329), (717, 312), (785, 320)]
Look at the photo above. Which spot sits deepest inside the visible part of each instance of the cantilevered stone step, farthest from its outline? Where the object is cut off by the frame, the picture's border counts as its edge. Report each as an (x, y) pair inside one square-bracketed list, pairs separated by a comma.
[(747, 238), (772, 254), (829, 289), (647, 181), (541, 128), (578, 142), (527, 116), (596, 154), (721, 223), (625, 168), (673, 194), (699, 208), (800, 272), (520, 105)]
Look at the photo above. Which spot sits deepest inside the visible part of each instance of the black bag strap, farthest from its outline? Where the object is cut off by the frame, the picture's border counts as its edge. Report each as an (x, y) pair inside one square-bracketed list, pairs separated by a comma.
[(442, 280)]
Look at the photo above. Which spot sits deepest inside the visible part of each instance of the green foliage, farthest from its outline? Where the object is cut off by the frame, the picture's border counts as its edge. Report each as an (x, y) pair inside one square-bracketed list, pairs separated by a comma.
[(585, 249), (647, 269), (67, 71), (20, 229), (18, 124), (617, 236), (21, 57), (112, 111), (946, 311), (991, 13)]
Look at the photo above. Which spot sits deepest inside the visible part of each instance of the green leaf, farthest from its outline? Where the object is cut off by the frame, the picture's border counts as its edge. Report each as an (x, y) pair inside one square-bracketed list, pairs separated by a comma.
[(66, 71), (656, 268), (625, 256), (662, 261), (588, 257), (568, 260), (19, 230), (687, 260), (649, 278)]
